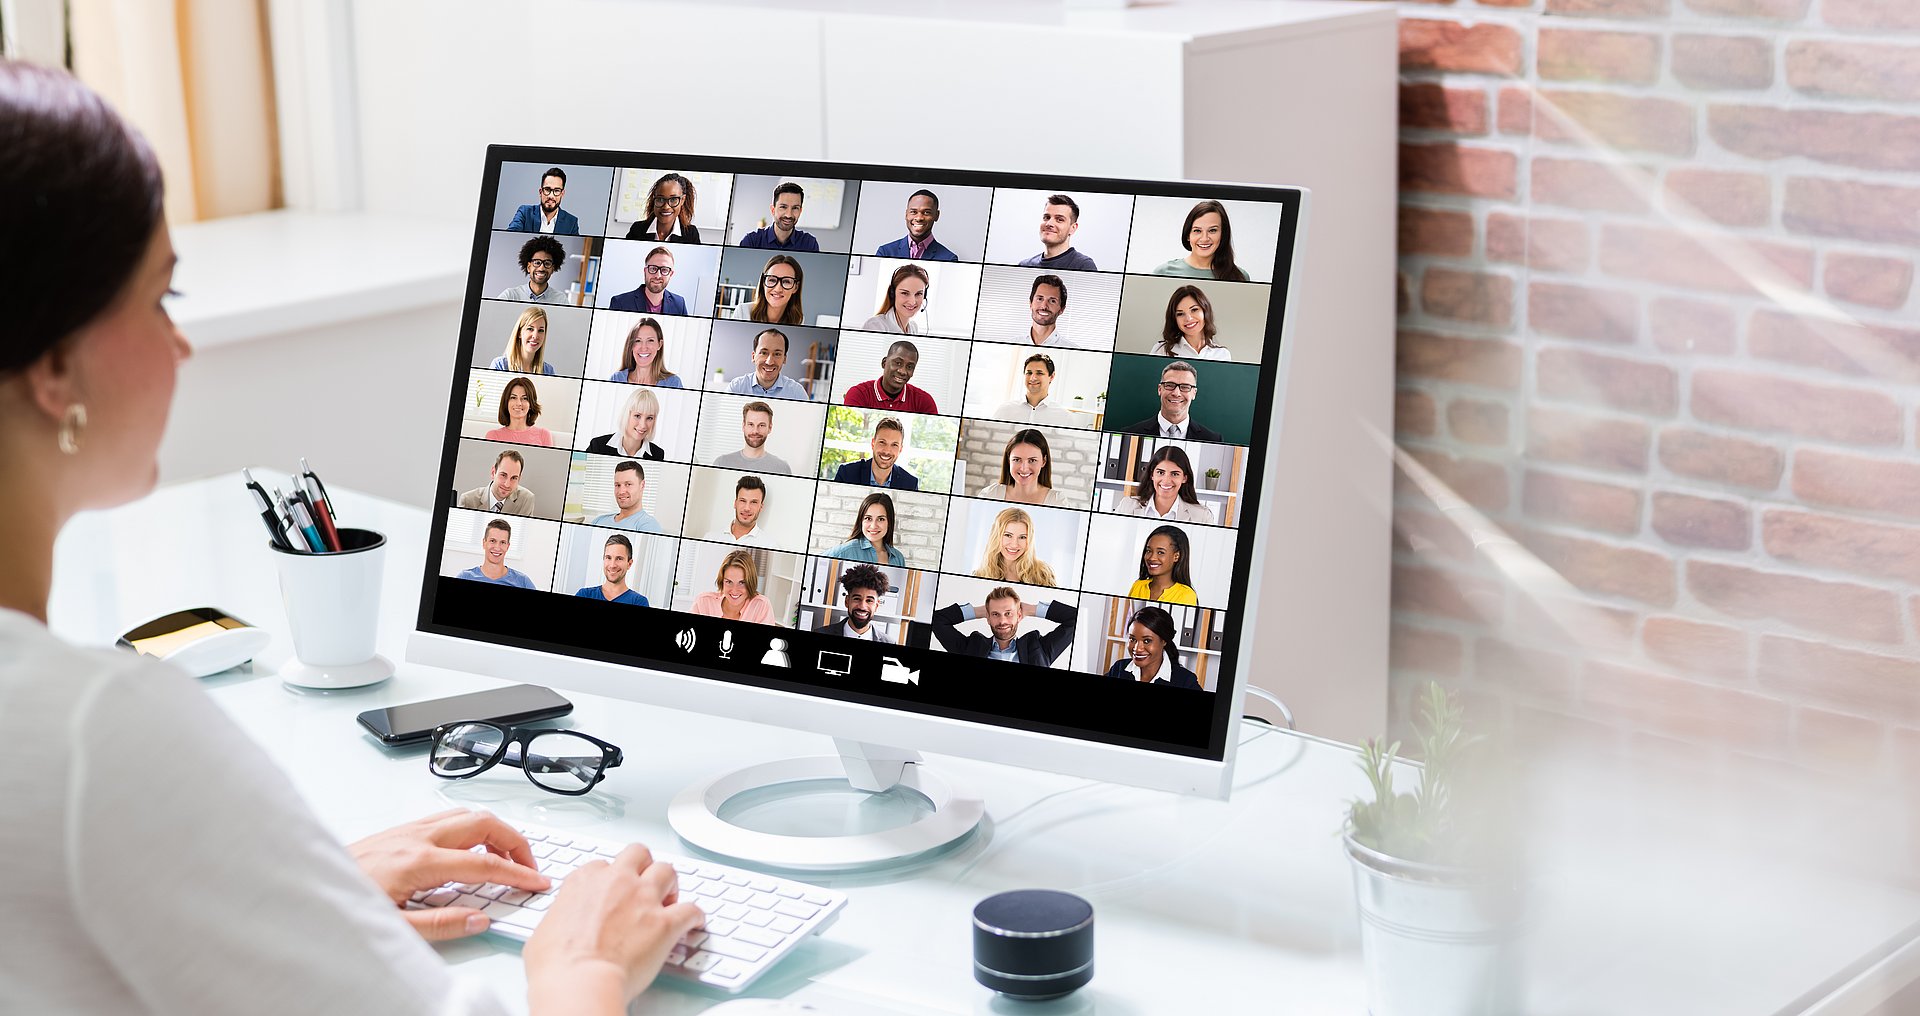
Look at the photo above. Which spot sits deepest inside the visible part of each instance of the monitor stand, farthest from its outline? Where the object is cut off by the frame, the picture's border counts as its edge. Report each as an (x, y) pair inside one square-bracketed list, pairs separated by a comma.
[(945, 813)]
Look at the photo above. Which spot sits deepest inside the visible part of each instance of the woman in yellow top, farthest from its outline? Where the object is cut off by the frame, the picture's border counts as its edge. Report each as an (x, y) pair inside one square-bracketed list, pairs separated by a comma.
[(1163, 569)]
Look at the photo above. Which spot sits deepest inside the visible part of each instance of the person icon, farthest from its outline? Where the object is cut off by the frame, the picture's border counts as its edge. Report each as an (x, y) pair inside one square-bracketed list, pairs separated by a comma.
[(776, 654)]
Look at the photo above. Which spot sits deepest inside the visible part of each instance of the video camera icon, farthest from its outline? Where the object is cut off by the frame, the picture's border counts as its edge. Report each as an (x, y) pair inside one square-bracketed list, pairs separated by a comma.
[(893, 671)]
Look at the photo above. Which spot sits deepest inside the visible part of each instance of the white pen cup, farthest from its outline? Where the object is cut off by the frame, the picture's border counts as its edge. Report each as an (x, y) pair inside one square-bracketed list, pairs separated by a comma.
[(333, 609)]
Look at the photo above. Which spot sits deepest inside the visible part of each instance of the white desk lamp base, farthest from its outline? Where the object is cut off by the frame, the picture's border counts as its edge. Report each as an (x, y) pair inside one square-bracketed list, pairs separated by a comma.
[(695, 813), (352, 675)]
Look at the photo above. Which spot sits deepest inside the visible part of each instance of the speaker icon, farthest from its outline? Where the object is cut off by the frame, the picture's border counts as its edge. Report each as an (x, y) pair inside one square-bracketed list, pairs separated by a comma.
[(686, 639)]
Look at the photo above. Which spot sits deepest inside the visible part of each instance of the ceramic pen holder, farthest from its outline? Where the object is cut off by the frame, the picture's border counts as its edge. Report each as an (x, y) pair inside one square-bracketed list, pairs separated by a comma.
[(333, 608)]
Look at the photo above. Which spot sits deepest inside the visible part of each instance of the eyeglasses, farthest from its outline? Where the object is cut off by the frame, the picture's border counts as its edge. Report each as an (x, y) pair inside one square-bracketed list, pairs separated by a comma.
[(552, 191), (674, 200), (659, 269), (561, 761), (1171, 387), (539, 263), (779, 281)]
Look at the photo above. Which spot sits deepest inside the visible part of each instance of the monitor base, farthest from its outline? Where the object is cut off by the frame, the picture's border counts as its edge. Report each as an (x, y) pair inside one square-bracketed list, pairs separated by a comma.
[(696, 814)]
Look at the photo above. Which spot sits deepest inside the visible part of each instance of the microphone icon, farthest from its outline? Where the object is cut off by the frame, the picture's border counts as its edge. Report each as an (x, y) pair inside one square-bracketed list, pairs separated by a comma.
[(726, 644)]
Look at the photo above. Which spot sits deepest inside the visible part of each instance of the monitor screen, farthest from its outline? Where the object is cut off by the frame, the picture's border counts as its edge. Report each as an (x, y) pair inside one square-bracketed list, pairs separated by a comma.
[(986, 447)]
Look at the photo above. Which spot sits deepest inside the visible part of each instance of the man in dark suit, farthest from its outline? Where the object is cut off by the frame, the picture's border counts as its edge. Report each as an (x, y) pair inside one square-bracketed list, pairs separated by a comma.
[(546, 216), (883, 469), (651, 296), (923, 210), (1179, 387), (864, 585), (1004, 611)]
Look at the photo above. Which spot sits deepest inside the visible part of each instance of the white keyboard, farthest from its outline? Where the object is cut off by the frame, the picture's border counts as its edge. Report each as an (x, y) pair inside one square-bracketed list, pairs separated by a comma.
[(752, 919)]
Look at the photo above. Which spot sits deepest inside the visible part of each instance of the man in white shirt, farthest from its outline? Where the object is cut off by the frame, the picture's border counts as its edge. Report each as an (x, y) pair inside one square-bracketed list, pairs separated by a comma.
[(749, 497), (1046, 301), (1037, 373), (504, 493), (756, 425), (629, 486), (1179, 388), (864, 585)]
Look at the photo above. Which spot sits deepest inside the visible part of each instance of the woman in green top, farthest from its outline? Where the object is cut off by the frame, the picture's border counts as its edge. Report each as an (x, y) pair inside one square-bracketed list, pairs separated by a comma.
[(1208, 238), (1163, 569)]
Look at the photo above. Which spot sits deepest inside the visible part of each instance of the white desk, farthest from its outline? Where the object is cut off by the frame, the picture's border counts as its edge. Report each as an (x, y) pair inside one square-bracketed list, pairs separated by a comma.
[(1203, 906)]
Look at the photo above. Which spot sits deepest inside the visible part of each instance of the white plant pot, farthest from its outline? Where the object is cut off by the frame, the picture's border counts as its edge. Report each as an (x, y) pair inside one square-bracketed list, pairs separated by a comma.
[(1436, 940)]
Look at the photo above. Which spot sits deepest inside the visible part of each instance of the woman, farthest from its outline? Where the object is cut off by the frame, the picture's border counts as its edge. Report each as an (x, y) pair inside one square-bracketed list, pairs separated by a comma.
[(872, 535), (899, 312), (1151, 657), (519, 408), (1026, 473), (1010, 556), (644, 358), (86, 377), (1166, 490), (1163, 569), (526, 346), (736, 592), (669, 212), (1208, 238), (635, 429), (776, 300), (1187, 332)]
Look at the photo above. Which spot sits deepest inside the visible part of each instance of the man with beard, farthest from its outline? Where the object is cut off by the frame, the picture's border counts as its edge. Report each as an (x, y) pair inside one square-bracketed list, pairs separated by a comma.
[(1046, 301), (784, 214), (749, 500), (629, 485), (883, 469), (651, 295), (756, 425), (541, 258), (546, 216), (890, 390), (615, 559), (864, 585), (1004, 612)]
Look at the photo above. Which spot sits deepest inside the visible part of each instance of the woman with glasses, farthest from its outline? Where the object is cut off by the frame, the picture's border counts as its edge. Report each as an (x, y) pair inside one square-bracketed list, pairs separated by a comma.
[(669, 212), (643, 361), (633, 436), (1152, 657), (259, 908), (776, 300), (526, 346), (736, 594), (1166, 490), (519, 408)]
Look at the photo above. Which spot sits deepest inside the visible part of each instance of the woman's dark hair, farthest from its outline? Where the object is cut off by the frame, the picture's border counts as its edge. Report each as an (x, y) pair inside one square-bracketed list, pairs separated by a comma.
[(533, 401), (686, 206), (1170, 337), (1223, 266), (757, 311), (1159, 622), (77, 186), (1173, 454), (1027, 437), (1181, 573), (883, 501)]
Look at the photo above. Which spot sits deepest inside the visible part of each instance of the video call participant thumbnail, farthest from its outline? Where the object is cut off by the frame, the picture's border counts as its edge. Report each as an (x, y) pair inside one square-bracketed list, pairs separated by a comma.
[(1179, 389), (527, 346), (756, 425), (923, 210), (736, 592), (669, 212), (1151, 656), (779, 296), (900, 309), (1010, 554), (1036, 376), (882, 468), (651, 295), (749, 500), (1004, 611), (789, 200), (615, 559), (1059, 220), (862, 585), (545, 215), (502, 492), (1166, 490), (1026, 473), (891, 390), (638, 416), (540, 259), (519, 408), (1164, 574), (629, 488), (1208, 238), (1188, 329), (872, 537), (1046, 301), (766, 380), (494, 544), (643, 361)]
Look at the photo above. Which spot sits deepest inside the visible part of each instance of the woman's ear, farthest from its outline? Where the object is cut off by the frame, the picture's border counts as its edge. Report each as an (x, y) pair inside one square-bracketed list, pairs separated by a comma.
[(51, 383)]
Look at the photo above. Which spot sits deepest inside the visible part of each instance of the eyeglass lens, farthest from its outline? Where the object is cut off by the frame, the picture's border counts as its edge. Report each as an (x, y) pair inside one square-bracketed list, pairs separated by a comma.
[(465, 748), (779, 281), (565, 762)]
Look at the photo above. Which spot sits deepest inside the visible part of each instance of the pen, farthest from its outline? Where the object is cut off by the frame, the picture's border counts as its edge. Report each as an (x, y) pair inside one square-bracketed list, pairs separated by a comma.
[(283, 508), (305, 500), (267, 514), (304, 522), (322, 504)]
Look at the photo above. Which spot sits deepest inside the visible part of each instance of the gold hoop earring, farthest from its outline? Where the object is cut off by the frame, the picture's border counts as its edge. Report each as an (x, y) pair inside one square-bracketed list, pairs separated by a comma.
[(72, 426)]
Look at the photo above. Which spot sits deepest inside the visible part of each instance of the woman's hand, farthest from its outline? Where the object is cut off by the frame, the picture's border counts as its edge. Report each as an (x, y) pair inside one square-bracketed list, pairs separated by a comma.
[(438, 849), (607, 934)]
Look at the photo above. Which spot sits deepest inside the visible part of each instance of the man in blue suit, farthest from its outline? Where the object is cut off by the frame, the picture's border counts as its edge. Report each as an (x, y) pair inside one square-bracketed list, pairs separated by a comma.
[(883, 469), (547, 216), (923, 210), (651, 296)]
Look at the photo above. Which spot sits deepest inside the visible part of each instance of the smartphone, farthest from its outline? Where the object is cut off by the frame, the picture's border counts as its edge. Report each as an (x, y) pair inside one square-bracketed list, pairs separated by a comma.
[(414, 721)]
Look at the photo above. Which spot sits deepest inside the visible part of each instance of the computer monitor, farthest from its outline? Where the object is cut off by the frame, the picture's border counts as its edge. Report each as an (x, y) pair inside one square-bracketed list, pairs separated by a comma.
[(924, 460)]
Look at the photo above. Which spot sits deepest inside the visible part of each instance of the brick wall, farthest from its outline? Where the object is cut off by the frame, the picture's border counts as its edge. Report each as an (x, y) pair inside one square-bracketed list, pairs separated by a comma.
[(1074, 454), (1659, 329), (917, 525)]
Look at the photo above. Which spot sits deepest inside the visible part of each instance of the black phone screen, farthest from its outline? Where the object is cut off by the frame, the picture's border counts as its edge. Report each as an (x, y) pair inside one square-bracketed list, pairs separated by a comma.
[(414, 721)]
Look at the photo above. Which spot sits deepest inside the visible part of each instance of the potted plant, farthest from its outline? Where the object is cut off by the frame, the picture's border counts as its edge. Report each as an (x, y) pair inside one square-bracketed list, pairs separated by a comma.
[(1433, 868), (1213, 479)]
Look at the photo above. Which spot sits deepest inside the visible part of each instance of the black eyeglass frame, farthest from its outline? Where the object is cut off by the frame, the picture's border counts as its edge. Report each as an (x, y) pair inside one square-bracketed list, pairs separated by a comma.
[(610, 754)]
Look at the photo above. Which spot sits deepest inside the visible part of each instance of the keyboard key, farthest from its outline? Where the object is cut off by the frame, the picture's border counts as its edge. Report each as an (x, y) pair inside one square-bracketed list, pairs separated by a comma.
[(566, 856), (493, 890), (528, 919), (736, 949), (558, 840), (738, 894), (785, 925), (761, 885), (540, 901), (532, 835), (468, 900), (718, 927), (543, 849), (708, 871), (516, 897), (707, 904), (688, 883), (764, 901), (759, 937), (733, 912), (440, 897), (500, 911), (817, 899), (693, 939), (759, 918), (711, 889), (462, 887), (727, 970), (792, 892), (701, 962), (734, 878), (798, 910), (677, 956)]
